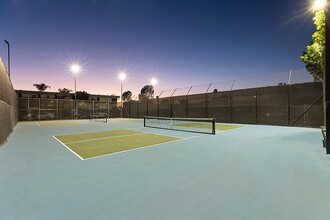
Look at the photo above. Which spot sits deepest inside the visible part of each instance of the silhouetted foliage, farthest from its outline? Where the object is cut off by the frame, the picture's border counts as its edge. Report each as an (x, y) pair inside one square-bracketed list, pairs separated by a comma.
[(82, 95), (64, 90), (127, 96), (41, 87), (313, 55), (147, 92), (215, 91)]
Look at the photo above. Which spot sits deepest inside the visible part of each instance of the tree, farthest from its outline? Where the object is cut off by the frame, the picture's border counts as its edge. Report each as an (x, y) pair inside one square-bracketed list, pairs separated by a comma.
[(313, 56), (215, 91), (82, 95), (127, 96), (41, 87), (147, 92), (64, 90)]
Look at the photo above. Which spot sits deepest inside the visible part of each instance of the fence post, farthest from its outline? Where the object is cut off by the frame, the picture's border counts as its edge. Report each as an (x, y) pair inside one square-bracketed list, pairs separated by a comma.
[(108, 104), (290, 75), (147, 107), (187, 108), (29, 113), (157, 100), (57, 109), (206, 101), (289, 104), (129, 109), (232, 85), (171, 101), (39, 111), (256, 104), (171, 108), (230, 107)]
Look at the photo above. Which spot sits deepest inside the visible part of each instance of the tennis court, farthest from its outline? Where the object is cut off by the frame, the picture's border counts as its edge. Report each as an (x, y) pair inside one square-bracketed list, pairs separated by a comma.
[(241, 172)]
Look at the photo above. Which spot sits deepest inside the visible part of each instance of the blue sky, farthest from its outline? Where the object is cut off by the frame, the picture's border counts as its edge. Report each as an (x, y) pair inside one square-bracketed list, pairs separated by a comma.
[(181, 42)]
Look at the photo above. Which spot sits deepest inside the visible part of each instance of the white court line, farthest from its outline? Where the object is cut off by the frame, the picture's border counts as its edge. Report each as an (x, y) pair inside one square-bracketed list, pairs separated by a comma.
[(68, 148), (159, 134), (181, 139), (96, 139), (130, 129), (153, 145), (38, 124)]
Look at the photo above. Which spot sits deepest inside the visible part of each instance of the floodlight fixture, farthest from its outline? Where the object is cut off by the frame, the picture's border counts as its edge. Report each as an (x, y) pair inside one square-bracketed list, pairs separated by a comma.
[(75, 68), (153, 81), (122, 76), (319, 5)]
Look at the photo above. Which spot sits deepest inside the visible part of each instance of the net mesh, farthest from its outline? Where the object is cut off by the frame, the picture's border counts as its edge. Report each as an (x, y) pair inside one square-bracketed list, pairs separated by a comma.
[(198, 125)]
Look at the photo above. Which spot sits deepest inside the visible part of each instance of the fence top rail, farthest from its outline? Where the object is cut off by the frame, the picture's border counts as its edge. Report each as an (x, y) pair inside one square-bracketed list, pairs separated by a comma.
[(257, 81)]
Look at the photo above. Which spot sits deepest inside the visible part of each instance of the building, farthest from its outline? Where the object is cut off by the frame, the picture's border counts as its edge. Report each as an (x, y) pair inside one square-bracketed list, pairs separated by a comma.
[(57, 95)]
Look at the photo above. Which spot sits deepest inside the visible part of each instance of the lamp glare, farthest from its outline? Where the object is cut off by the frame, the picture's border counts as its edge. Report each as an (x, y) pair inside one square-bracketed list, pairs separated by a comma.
[(75, 68), (319, 4)]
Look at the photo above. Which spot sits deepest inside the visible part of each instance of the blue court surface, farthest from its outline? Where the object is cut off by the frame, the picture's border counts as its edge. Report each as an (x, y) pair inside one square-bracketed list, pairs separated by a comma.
[(253, 172)]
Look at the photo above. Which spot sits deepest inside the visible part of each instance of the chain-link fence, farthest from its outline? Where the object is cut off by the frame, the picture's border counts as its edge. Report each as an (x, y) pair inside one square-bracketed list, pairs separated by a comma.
[(31, 109), (298, 105), (289, 77), (8, 104)]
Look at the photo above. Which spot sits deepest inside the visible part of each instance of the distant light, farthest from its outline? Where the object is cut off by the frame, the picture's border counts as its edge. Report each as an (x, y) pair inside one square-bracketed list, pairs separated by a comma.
[(319, 4), (75, 68), (122, 76), (154, 81)]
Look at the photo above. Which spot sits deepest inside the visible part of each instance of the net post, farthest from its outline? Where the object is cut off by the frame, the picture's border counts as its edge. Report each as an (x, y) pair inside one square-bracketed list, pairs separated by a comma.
[(144, 121), (213, 126)]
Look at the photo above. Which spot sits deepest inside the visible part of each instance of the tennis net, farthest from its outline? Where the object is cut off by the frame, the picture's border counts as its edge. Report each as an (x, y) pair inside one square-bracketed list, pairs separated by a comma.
[(198, 125), (103, 117)]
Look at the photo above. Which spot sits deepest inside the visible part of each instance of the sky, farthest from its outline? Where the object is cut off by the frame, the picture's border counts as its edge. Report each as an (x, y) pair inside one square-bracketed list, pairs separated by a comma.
[(180, 42)]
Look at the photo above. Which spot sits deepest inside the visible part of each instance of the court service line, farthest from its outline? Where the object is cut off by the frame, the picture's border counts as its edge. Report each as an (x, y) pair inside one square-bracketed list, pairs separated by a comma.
[(68, 148), (96, 139), (96, 131), (157, 133), (153, 145)]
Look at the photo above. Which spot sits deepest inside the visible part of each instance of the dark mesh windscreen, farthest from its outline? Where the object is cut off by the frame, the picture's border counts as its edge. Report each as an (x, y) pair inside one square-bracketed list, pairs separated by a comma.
[(197, 106), (302, 97), (101, 107), (143, 111), (273, 103), (65, 109), (218, 106), (243, 106), (133, 107), (152, 107), (179, 106), (165, 107)]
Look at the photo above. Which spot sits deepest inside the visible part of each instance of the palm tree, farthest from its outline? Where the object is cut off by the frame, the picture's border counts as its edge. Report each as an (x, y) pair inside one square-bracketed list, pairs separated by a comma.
[(64, 90), (41, 87)]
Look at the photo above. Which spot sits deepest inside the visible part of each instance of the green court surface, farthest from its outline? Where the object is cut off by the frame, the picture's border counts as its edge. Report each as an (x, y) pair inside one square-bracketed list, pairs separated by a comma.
[(209, 126), (224, 127), (59, 123), (94, 144)]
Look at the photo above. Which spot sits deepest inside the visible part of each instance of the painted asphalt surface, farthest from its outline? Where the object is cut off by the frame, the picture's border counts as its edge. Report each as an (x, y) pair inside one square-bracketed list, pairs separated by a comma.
[(254, 172)]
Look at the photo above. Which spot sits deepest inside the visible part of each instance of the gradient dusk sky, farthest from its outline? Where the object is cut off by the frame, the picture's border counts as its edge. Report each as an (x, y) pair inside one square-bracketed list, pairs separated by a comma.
[(181, 42)]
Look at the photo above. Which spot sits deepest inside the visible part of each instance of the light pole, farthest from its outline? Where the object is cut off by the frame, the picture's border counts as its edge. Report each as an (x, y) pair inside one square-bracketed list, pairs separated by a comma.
[(75, 69), (153, 82), (122, 77), (327, 74), (8, 46)]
